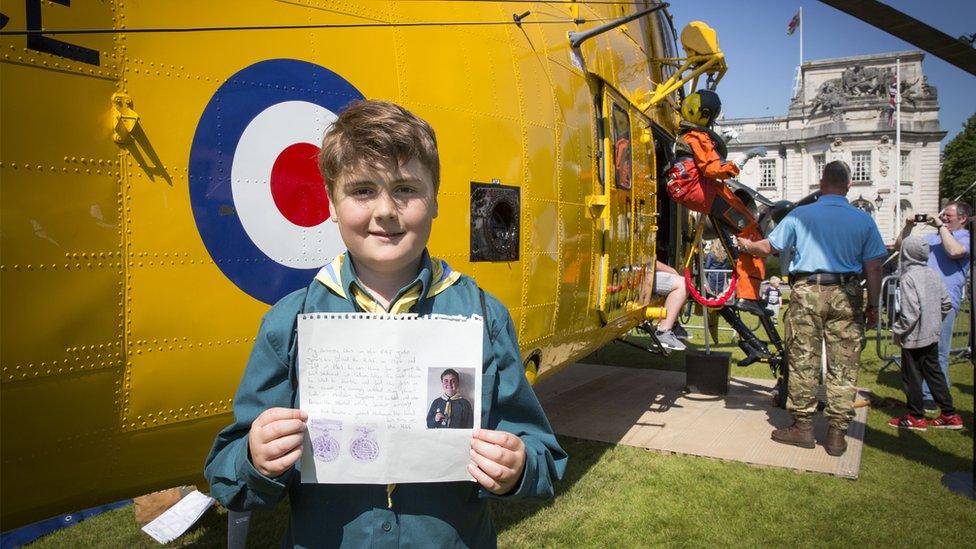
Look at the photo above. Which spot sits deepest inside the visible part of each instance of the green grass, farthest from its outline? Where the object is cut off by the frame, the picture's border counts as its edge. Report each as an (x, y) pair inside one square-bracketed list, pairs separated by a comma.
[(623, 496)]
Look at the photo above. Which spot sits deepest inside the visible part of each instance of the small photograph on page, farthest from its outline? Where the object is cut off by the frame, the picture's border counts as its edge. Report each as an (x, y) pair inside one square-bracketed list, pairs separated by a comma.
[(450, 392)]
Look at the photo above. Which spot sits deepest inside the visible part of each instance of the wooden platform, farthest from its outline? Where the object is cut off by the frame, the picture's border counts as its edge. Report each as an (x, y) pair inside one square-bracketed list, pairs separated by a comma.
[(648, 409)]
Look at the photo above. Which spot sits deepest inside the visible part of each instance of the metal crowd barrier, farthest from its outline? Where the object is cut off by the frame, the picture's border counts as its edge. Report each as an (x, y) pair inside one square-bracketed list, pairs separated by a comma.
[(889, 306)]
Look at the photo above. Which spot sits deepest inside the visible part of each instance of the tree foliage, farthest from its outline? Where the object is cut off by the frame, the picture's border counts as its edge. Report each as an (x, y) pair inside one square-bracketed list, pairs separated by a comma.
[(959, 164)]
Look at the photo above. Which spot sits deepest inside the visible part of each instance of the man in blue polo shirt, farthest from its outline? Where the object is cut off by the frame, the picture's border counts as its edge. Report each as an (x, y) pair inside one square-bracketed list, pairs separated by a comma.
[(834, 244), (948, 256)]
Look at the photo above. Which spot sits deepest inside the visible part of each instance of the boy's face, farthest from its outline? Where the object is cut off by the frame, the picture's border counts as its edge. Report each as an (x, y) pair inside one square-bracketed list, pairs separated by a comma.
[(449, 384), (385, 217)]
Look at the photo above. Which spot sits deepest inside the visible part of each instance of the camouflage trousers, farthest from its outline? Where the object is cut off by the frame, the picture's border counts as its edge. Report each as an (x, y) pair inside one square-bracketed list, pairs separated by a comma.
[(834, 314)]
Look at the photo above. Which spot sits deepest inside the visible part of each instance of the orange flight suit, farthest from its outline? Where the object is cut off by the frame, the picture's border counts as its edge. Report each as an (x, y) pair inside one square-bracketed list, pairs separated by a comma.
[(714, 169)]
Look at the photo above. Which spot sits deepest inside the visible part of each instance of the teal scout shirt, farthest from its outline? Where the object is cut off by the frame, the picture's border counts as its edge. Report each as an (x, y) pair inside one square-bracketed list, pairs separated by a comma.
[(428, 515), (828, 236)]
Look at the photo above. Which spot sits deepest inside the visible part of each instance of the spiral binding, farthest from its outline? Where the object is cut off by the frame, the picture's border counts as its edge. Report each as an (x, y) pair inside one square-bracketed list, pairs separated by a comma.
[(380, 316)]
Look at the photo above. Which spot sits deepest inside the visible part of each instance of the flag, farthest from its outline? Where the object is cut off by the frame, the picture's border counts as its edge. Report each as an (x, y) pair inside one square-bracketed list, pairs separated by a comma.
[(793, 24), (892, 106)]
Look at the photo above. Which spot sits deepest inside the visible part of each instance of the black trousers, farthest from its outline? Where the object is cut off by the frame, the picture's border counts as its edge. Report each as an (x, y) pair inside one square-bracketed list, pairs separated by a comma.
[(923, 363)]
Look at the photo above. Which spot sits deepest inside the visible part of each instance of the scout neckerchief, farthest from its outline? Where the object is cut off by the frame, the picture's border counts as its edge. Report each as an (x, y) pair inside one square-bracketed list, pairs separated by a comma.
[(447, 407)]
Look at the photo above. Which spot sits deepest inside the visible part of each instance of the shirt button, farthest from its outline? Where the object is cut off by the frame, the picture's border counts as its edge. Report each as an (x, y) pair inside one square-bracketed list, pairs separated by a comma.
[(387, 526)]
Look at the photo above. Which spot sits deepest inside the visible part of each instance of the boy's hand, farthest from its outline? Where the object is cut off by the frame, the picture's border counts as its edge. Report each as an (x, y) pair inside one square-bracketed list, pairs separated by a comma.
[(897, 339), (275, 440), (497, 460)]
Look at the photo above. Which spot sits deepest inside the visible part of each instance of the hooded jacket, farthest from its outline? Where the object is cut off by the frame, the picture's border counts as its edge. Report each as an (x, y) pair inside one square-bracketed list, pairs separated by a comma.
[(924, 299)]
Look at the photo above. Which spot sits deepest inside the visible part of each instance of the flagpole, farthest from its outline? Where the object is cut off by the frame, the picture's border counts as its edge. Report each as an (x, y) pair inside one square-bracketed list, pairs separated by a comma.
[(803, 92), (898, 219)]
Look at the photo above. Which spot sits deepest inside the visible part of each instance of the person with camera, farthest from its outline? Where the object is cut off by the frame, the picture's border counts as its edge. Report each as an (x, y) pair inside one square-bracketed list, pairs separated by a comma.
[(948, 256)]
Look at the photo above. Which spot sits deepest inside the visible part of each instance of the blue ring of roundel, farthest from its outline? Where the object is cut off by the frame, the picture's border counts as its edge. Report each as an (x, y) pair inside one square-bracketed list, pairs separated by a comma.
[(234, 105)]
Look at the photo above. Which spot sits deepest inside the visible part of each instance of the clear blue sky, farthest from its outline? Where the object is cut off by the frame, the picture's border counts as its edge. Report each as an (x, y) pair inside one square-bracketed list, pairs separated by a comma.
[(762, 59)]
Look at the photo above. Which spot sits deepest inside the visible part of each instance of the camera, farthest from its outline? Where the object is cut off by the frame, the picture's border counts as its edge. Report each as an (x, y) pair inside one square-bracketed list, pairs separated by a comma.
[(921, 218)]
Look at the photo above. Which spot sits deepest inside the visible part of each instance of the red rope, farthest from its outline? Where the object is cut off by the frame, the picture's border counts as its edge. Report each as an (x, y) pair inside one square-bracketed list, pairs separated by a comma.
[(714, 303)]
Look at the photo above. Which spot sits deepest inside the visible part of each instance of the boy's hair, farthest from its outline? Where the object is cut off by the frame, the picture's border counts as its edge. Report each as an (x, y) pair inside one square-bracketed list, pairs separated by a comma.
[(374, 132), (451, 372), (836, 174)]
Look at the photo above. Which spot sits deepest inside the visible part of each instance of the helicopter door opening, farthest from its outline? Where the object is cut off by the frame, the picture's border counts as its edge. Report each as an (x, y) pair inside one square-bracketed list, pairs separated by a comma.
[(646, 204), (626, 222), (668, 245)]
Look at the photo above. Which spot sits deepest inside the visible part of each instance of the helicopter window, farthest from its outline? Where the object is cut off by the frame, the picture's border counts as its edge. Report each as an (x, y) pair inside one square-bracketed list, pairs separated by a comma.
[(495, 212), (599, 153), (669, 38), (622, 158), (667, 209)]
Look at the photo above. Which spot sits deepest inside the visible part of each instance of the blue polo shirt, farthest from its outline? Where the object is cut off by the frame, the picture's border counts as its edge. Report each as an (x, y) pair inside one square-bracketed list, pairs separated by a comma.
[(828, 236), (953, 271)]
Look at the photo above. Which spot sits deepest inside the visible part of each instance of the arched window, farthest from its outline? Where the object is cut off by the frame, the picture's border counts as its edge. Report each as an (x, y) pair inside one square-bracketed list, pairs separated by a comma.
[(907, 209), (862, 204)]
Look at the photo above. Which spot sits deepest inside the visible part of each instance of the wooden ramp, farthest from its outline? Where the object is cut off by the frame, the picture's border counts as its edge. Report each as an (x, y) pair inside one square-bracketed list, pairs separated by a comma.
[(648, 409)]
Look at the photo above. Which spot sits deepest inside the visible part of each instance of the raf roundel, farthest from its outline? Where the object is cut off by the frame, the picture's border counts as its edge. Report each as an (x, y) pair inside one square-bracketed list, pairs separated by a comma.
[(258, 200)]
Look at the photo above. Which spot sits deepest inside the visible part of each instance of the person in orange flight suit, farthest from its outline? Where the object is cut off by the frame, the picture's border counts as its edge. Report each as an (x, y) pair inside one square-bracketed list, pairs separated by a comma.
[(696, 182)]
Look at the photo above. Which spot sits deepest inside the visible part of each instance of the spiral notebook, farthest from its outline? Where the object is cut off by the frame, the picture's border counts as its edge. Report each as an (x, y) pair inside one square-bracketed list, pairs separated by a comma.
[(390, 399)]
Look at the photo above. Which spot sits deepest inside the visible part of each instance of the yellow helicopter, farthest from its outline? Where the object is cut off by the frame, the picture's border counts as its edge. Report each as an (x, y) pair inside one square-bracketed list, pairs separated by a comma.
[(159, 191)]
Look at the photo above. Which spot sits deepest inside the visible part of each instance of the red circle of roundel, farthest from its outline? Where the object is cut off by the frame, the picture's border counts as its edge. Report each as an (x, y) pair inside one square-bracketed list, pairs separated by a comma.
[(297, 186)]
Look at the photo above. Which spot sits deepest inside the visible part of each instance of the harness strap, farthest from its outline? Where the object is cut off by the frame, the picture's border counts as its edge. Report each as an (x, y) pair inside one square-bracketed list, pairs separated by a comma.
[(716, 302)]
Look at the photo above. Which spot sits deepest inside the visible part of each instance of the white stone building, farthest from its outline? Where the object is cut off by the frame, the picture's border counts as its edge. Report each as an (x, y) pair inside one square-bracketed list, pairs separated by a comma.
[(841, 113)]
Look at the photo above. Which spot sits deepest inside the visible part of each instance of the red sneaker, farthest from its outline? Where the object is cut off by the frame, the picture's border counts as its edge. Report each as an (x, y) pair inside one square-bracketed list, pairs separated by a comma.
[(909, 421), (953, 422)]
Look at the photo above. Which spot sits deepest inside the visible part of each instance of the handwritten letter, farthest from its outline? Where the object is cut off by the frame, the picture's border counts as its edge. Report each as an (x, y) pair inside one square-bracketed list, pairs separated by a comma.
[(368, 382)]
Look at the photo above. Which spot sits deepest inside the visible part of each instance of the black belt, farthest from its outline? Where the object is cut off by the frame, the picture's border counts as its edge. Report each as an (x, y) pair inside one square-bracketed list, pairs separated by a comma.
[(826, 279)]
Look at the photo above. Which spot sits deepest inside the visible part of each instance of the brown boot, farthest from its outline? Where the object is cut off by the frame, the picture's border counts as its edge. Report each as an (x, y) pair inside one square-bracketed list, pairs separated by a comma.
[(799, 434), (836, 444)]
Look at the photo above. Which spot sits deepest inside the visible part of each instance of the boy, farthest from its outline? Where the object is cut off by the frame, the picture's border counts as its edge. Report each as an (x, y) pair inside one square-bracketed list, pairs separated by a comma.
[(696, 182), (451, 410), (924, 303), (381, 168), (774, 296)]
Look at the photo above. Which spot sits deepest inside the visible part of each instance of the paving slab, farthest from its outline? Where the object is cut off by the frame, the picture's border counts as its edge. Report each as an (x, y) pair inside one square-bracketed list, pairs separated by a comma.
[(649, 409)]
